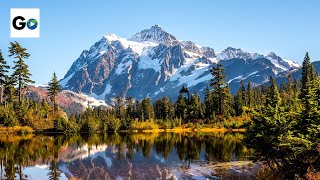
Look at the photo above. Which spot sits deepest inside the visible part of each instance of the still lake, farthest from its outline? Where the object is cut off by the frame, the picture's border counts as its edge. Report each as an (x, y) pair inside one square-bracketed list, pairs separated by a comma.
[(126, 156)]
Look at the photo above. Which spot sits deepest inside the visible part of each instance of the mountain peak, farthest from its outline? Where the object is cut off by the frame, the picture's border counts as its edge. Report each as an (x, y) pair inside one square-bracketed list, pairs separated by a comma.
[(155, 34), (272, 55)]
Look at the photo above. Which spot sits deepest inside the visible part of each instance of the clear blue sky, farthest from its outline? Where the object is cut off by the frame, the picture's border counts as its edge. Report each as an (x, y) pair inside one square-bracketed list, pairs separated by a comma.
[(289, 28)]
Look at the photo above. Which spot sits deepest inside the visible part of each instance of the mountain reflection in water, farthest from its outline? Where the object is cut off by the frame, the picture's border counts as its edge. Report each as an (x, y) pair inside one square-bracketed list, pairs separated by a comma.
[(121, 156)]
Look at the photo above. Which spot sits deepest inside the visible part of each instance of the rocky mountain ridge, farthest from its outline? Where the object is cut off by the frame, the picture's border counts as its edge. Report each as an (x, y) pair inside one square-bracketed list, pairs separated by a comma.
[(153, 63)]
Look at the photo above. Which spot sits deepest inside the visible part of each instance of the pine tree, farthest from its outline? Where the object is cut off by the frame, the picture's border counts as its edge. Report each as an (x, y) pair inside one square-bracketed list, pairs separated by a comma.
[(21, 73), (53, 90), (243, 93), (221, 92), (185, 90), (3, 76), (290, 98), (195, 109), (147, 109), (264, 133), (130, 107), (9, 90), (238, 103), (138, 112), (273, 96), (250, 96), (228, 102), (166, 108), (208, 103), (181, 107), (157, 108), (310, 115), (120, 107)]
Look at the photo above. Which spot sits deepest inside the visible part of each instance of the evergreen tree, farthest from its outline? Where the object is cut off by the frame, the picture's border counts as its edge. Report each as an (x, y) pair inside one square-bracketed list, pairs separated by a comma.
[(157, 106), (310, 115), (243, 93), (208, 103), (238, 103), (185, 90), (54, 88), (3, 76), (9, 91), (181, 107), (273, 100), (285, 139), (120, 107), (21, 73), (195, 109), (264, 133), (130, 107), (289, 98), (250, 96), (163, 109), (138, 112), (147, 109), (221, 92), (166, 108)]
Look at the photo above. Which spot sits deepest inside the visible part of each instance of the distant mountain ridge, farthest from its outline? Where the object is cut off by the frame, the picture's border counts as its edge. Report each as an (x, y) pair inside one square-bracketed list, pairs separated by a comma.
[(153, 63)]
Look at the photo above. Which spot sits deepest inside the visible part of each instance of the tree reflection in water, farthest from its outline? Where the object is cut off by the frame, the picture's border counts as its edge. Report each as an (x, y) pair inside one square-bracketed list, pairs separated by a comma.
[(19, 152)]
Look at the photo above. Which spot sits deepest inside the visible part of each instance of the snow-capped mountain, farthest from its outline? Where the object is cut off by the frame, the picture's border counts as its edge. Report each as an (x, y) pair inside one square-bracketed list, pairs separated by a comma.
[(155, 34), (231, 53), (153, 63)]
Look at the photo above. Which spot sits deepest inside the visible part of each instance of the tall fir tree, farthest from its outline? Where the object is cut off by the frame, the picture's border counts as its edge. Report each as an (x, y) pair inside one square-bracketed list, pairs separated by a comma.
[(243, 93), (21, 73), (3, 76), (53, 90), (310, 115), (221, 92), (250, 103), (273, 97), (181, 107), (9, 90), (208, 103), (195, 108), (120, 107), (130, 107), (238, 103), (147, 109)]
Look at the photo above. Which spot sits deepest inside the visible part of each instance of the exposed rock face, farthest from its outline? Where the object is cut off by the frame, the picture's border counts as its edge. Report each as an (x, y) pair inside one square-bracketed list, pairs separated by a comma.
[(155, 34), (153, 63), (69, 101)]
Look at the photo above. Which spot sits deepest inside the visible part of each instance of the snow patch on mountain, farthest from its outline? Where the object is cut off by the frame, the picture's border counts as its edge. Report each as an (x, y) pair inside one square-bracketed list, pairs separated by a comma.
[(146, 62), (93, 102), (231, 53), (63, 83), (193, 78), (292, 63), (137, 47), (125, 63), (160, 90), (236, 78)]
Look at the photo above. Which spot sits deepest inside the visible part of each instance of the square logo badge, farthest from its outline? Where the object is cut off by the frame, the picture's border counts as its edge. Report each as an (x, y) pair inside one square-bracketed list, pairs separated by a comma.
[(25, 23)]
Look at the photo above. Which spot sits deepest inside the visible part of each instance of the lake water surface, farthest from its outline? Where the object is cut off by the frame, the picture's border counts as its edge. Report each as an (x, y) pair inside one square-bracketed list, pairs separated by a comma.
[(126, 156)]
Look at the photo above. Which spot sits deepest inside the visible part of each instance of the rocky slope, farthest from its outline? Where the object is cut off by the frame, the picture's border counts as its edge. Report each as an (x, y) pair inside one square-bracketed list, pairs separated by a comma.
[(153, 63), (69, 101)]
